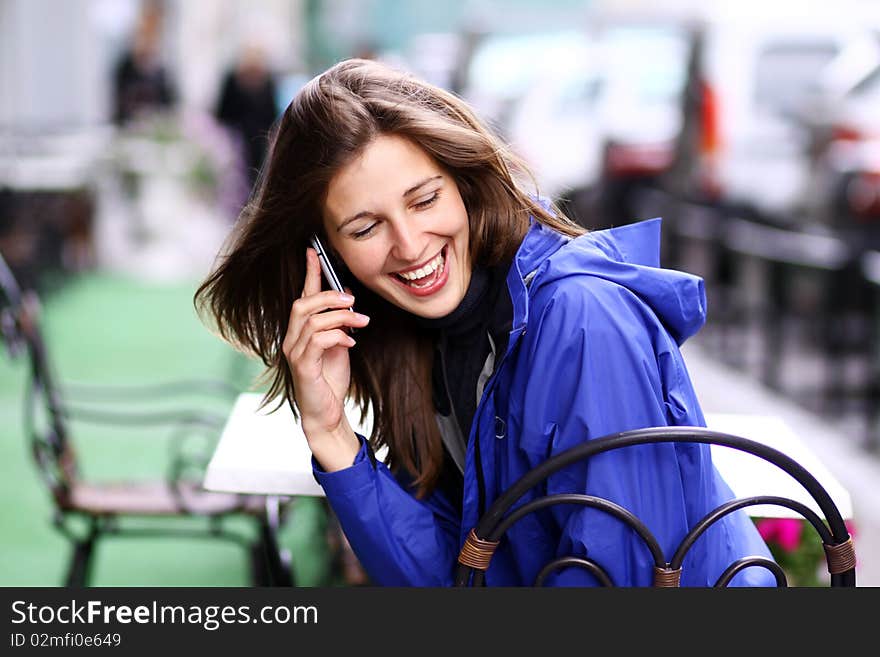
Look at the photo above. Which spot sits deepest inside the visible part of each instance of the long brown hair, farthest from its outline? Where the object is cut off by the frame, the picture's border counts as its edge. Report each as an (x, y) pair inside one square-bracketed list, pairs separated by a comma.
[(261, 270)]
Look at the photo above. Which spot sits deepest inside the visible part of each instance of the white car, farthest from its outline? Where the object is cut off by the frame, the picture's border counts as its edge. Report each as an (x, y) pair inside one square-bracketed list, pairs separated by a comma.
[(600, 125), (751, 73)]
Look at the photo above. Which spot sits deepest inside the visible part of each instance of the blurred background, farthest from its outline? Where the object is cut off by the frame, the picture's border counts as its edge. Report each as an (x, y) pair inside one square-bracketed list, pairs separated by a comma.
[(131, 132)]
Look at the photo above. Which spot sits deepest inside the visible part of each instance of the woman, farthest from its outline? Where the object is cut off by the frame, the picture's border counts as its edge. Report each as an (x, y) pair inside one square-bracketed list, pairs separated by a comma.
[(487, 333)]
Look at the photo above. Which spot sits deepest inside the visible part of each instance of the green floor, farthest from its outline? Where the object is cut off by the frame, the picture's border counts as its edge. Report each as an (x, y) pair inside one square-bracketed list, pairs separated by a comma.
[(112, 330)]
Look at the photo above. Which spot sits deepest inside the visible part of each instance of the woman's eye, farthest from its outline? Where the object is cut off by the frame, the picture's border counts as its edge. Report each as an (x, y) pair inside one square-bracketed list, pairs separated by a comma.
[(428, 202), (363, 233)]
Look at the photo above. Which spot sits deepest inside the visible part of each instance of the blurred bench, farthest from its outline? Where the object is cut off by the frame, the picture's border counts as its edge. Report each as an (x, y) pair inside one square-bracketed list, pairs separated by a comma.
[(171, 504)]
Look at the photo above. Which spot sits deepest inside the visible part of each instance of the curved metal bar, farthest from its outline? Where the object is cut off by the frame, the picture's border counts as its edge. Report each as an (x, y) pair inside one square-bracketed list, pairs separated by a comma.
[(595, 569), (48, 443), (579, 499), (10, 310), (464, 573), (9, 284), (729, 507), (751, 562), (126, 418), (144, 392), (652, 435)]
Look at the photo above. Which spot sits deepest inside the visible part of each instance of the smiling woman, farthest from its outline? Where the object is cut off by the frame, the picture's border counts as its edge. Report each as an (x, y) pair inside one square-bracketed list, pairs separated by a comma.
[(411, 246), (492, 332)]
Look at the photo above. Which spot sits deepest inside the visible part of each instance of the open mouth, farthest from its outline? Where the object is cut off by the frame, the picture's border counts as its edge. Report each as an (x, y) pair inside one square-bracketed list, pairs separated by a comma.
[(427, 275)]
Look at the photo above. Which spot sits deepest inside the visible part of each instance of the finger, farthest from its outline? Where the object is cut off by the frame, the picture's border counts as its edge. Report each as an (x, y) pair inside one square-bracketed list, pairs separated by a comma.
[(333, 319), (309, 362), (312, 283), (312, 279), (325, 340), (311, 287), (324, 322), (305, 307)]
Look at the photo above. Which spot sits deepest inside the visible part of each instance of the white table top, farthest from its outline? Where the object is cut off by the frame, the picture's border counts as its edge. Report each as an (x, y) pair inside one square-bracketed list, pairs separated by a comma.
[(262, 452), (266, 453)]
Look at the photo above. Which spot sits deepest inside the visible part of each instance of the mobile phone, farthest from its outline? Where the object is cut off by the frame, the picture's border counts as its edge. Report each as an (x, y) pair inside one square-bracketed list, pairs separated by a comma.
[(326, 266)]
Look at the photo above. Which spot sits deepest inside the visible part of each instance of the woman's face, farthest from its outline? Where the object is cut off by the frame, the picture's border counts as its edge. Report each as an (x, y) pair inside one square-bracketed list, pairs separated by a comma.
[(397, 220)]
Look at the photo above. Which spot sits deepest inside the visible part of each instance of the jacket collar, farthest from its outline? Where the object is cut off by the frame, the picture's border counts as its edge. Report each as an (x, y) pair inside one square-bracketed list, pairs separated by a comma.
[(539, 242)]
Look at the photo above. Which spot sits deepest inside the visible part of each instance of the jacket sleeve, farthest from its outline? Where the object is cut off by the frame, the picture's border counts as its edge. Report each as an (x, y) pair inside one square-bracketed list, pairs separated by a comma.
[(400, 540), (621, 370)]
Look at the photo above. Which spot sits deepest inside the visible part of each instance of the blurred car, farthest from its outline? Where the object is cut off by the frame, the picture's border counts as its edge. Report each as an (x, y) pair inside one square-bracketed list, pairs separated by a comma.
[(645, 72), (703, 103), (844, 95), (555, 127), (743, 146), (599, 126), (502, 68), (850, 180), (843, 190)]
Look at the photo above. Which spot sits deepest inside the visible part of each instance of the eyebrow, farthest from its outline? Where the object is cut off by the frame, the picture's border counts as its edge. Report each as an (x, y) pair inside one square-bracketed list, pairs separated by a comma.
[(417, 186), (366, 213)]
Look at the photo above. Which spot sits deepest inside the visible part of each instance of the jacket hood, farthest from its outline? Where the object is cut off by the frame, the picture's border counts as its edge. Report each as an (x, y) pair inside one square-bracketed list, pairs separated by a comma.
[(627, 255)]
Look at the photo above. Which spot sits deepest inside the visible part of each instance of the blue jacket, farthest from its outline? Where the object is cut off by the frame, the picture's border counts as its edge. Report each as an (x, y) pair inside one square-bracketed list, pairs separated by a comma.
[(594, 350)]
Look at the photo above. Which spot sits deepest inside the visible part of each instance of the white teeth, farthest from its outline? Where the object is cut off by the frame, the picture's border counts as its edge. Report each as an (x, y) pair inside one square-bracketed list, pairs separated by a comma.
[(424, 271), (431, 278)]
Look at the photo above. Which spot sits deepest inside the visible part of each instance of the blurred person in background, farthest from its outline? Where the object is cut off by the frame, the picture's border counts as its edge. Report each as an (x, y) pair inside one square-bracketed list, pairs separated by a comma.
[(141, 83), (247, 105), (449, 259)]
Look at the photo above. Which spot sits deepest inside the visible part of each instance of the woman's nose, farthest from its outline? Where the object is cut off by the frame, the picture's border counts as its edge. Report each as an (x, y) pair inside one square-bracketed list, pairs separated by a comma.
[(408, 246)]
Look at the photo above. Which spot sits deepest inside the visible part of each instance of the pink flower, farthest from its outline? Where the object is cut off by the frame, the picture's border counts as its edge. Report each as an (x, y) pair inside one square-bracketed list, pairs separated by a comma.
[(785, 532)]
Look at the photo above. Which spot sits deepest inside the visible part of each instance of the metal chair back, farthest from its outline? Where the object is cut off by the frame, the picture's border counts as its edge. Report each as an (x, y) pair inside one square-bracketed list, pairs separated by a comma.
[(476, 554)]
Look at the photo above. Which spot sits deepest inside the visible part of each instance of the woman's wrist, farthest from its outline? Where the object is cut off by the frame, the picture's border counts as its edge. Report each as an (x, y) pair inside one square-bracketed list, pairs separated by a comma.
[(335, 449)]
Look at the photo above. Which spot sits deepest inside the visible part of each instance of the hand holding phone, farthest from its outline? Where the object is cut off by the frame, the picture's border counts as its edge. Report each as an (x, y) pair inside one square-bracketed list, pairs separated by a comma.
[(326, 266), (316, 346)]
